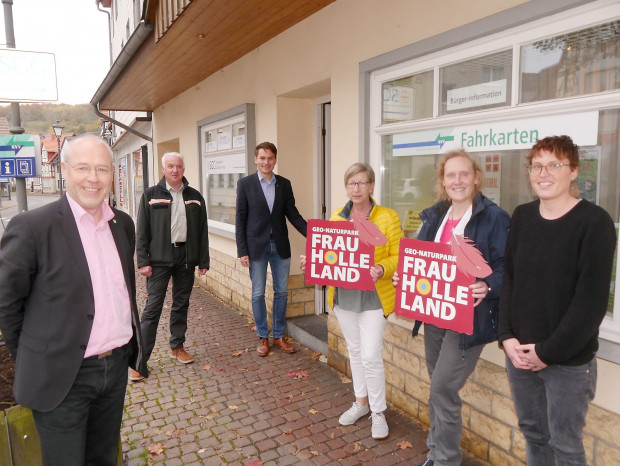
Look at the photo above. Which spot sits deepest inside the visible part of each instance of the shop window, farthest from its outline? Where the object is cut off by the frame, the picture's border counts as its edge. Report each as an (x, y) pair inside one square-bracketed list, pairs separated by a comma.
[(577, 63), (476, 84), (409, 98), (226, 148), (569, 77)]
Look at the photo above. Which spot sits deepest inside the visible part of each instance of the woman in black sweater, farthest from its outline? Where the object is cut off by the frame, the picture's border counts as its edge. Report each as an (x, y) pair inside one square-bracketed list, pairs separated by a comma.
[(557, 271)]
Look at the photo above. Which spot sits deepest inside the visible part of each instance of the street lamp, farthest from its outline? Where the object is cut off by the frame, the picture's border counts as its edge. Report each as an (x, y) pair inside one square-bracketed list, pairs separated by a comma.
[(58, 127)]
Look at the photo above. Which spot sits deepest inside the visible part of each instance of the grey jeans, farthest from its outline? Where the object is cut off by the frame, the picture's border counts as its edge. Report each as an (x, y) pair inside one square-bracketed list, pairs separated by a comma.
[(448, 367), (552, 405)]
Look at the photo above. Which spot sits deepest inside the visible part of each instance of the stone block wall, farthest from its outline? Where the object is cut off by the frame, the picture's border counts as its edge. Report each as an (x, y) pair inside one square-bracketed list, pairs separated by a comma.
[(230, 281), (490, 428)]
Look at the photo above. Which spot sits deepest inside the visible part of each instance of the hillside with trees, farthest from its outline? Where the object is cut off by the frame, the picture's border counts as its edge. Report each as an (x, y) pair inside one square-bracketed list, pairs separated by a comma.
[(38, 118)]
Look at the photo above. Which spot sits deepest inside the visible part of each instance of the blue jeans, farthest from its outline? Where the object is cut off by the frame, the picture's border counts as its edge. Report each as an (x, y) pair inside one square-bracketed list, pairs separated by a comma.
[(552, 405), (85, 428), (258, 274)]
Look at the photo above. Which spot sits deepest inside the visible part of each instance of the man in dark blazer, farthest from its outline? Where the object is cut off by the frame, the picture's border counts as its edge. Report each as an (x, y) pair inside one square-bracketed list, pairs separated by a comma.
[(264, 202), (68, 310)]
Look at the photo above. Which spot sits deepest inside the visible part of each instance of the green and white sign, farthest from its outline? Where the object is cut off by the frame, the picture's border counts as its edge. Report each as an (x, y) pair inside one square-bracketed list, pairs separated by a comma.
[(20, 155), (497, 136)]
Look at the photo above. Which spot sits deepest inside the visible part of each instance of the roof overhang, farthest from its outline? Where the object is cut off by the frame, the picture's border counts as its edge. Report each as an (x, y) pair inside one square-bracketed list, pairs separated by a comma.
[(204, 38)]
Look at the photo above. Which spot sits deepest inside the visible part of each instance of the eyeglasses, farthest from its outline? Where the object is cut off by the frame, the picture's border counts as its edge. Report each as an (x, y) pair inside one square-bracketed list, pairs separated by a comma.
[(552, 168), (361, 184), (85, 170)]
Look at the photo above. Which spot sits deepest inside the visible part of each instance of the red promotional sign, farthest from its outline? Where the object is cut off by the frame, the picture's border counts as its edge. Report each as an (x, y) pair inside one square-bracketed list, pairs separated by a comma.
[(432, 288), (336, 256)]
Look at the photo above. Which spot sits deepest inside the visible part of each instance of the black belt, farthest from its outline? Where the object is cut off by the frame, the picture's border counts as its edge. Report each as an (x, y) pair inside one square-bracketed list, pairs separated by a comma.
[(178, 244)]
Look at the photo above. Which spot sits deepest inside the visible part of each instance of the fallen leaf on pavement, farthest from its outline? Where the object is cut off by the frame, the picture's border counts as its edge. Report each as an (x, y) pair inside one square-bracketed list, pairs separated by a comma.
[(255, 463), (155, 449), (316, 355), (220, 369), (403, 445), (254, 329), (236, 354), (312, 411), (298, 375), (357, 447), (233, 407), (206, 367), (288, 432)]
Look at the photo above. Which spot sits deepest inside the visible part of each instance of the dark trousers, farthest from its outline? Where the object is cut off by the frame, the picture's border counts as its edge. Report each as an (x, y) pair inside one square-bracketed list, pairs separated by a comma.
[(156, 286), (85, 428)]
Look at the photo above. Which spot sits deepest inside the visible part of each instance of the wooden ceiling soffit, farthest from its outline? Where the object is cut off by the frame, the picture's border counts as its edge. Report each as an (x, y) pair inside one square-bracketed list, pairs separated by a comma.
[(205, 37)]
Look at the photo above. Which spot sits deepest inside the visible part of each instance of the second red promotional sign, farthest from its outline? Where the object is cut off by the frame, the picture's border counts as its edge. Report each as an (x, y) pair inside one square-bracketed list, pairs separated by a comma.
[(432, 288)]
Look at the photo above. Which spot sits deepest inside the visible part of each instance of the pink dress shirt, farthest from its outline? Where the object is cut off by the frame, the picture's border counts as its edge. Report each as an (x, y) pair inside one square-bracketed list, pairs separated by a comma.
[(112, 322)]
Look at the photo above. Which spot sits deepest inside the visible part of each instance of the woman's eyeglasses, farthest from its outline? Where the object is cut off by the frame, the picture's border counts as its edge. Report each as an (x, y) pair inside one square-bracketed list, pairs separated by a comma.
[(552, 168)]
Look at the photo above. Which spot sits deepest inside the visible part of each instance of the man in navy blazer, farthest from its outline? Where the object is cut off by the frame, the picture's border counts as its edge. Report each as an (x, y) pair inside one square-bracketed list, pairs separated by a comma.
[(68, 310), (264, 202)]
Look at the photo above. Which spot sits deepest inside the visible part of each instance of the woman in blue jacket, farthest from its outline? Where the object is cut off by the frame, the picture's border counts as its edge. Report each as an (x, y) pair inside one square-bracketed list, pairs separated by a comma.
[(450, 356)]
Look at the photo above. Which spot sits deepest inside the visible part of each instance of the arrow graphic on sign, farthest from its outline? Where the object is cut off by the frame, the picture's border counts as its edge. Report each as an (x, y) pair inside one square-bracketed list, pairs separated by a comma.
[(14, 149), (438, 141)]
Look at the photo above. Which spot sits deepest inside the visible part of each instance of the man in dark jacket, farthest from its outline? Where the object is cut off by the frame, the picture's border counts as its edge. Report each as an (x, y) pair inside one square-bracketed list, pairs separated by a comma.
[(68, 311), (264, 202), (172, 240)]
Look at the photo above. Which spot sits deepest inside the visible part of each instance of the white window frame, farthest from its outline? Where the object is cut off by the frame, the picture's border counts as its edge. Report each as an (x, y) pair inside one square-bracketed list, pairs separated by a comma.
[(574, 19), (243, 113)]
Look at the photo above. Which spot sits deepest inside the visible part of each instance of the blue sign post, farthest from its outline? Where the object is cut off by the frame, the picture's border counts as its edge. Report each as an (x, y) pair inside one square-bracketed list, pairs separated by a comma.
[(17, 155)]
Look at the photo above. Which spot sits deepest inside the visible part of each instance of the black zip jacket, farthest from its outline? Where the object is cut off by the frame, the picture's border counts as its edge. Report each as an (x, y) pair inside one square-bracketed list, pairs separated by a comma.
[(153, 240)]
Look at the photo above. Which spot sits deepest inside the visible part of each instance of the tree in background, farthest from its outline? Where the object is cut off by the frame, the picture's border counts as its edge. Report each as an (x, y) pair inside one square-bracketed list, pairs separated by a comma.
[(38, 118)]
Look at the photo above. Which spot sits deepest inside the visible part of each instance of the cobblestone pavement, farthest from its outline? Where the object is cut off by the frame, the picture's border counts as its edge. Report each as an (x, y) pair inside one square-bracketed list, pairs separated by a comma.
[(233, 407)]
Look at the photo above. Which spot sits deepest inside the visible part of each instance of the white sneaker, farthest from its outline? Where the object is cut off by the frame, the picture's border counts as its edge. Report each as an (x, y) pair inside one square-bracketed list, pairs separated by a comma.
[(379, 426), (353, 414)]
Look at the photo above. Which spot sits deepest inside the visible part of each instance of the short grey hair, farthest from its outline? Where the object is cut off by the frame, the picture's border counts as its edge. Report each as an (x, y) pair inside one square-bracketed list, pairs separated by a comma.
[(359, 167), (171, 154), (67, 147)]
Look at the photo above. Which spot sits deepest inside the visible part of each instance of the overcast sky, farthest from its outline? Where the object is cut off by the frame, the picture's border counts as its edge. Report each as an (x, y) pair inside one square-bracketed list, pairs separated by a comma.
[(75, 31)]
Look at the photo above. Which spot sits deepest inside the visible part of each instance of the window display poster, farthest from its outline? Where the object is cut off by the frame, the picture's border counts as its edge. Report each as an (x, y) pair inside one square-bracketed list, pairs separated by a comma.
[(239, 141), (398, 102), (412, 222), (225, 164), (492, 166), (224, 138), (336, 256), (587, 185), (432, 287)]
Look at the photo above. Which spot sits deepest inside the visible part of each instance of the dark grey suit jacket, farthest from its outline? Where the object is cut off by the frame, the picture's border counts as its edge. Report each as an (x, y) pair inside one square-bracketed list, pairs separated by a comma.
[(47, 306), (254, 222)]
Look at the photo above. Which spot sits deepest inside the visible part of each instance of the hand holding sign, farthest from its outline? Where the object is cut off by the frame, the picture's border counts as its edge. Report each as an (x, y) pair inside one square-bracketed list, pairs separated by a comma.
[(434, 287)]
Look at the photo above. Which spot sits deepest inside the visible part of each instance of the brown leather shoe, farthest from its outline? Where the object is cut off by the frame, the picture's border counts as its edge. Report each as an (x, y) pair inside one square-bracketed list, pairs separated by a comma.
[(283, 345), (135, 376), (263, 347), (181, 355)]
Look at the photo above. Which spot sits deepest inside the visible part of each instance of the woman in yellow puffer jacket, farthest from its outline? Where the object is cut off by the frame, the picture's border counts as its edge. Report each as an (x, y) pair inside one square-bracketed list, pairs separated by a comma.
[(362, 315)]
